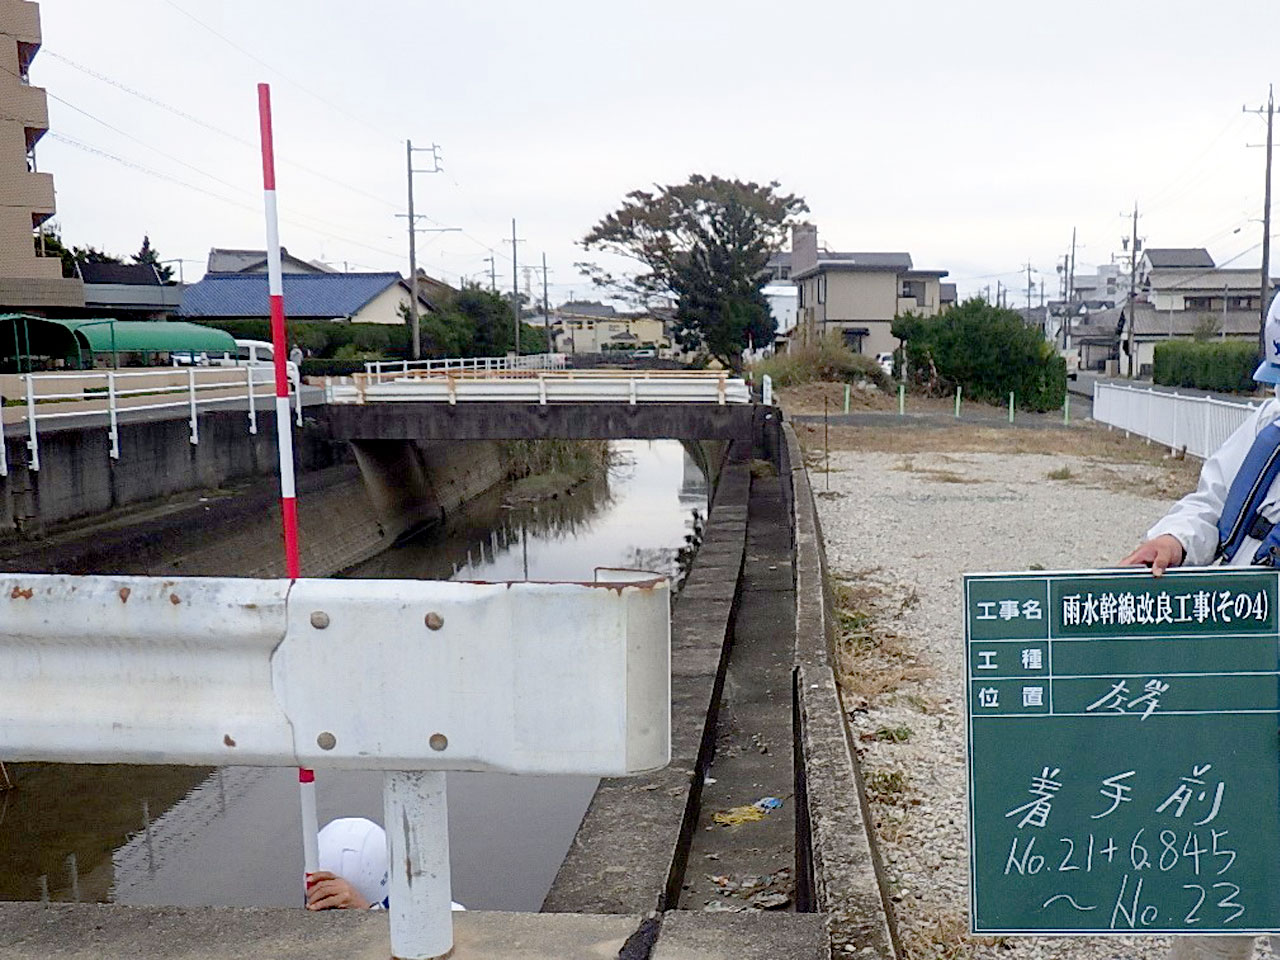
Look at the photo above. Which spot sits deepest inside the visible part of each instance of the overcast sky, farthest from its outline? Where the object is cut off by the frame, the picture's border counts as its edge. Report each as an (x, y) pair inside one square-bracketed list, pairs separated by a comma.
[(973, 135)]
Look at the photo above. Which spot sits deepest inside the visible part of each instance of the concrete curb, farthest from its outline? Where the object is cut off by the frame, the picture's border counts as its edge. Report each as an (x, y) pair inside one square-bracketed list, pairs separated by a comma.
[(847, 876), (628, 855)]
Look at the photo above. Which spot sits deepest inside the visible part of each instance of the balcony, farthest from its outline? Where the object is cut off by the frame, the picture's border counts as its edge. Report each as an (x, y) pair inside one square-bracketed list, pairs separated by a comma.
[(21, 21), (31, 192), (27, 105)]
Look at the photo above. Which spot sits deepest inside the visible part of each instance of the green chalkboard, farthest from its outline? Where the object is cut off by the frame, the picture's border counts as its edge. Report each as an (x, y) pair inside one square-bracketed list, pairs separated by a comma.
[(1124, 752)]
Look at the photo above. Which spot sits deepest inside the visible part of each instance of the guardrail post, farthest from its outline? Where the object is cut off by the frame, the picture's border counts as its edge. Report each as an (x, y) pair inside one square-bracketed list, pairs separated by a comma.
[(766, 392), (113, 430), (631, 388), (720, 389), (33, 444), (253, 409), (542, 390), (452, 387), (415, 808), (191, 393)]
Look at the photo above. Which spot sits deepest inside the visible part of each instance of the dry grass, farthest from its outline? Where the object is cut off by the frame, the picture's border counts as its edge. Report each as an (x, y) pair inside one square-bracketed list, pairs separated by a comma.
[(932, 473), (810, 398), (872, 658), (1102, 452)]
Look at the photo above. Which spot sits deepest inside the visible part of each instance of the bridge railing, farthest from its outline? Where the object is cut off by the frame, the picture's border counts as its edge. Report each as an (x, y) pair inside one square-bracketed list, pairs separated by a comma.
[(1200, 424), (543, 387), (52, 397), (380, 369), (409, 677)]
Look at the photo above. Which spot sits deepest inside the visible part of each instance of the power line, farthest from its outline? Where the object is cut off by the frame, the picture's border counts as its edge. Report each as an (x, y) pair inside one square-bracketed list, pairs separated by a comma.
[(191, 118), (276, 70)]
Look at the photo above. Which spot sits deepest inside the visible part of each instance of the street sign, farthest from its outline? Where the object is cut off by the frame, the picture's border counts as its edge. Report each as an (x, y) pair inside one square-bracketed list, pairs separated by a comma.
[(1124, 751)]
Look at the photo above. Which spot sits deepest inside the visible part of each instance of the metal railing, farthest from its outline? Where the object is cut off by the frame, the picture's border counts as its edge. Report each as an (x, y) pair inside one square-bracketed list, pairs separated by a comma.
[(542, 387), (50, 397), (535, 361), (409, 677), (1198, 424)]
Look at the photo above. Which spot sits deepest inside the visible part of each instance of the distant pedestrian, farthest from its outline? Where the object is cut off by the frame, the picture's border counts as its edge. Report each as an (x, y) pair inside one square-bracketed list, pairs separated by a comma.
[(295, 355)]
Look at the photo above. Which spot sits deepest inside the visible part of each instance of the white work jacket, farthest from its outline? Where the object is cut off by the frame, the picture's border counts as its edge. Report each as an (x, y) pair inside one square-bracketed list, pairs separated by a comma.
[(1194, 518)]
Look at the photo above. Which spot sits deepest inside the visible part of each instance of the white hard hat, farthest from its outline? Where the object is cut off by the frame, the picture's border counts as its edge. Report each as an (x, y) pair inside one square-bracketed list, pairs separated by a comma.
[(356, 850), (1269, 370)]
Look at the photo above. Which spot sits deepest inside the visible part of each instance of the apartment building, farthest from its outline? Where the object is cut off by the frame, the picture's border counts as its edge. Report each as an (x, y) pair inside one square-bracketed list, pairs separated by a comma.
[(27, 280)]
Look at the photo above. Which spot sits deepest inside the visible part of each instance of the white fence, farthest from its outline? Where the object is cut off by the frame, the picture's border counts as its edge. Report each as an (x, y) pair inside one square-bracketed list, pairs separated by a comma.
[(51, 397), (1199, 424), (535, 361), (541, 387)]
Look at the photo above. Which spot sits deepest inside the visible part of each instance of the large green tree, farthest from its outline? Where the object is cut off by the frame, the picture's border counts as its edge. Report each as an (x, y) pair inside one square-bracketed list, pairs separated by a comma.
[(704, 243), (147, 254)]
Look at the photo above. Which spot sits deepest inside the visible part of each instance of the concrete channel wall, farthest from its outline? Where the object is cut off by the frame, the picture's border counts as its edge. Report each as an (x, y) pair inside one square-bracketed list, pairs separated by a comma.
[(844, 868), (627, 856)]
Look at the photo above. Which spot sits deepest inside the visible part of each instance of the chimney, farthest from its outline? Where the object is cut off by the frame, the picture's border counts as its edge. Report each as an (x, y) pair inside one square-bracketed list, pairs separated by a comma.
[(804, 246)]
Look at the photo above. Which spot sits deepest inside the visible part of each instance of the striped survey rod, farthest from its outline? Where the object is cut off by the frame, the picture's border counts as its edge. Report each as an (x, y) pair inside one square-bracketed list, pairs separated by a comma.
[(284, 437)]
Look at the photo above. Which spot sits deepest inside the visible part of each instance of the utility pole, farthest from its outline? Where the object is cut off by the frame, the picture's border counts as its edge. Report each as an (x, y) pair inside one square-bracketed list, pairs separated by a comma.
[(434, 150), (1270, 111), (546, 305), (515, 284), (493, 272), (999, 298), (1071, 271), (1133, 287), (1029, 285)]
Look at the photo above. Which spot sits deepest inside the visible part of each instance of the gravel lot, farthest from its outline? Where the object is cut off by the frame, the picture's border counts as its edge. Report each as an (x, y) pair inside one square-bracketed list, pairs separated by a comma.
[(905, 526)]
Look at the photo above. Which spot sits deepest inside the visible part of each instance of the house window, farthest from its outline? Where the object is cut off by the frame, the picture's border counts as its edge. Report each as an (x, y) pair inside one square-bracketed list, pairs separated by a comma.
[(822, 288), (853, 339), (1198, 303)]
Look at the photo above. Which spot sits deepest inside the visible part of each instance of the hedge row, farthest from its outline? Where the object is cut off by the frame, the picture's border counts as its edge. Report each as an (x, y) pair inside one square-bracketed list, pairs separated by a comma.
[(328, 367), (1219, 365), (324, 338)]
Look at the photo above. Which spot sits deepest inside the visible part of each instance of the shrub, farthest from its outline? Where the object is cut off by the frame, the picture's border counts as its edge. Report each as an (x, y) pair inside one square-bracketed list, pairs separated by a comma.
[(316, 367), (1224, 365), (827, 359), (988, 351), (324, 338)]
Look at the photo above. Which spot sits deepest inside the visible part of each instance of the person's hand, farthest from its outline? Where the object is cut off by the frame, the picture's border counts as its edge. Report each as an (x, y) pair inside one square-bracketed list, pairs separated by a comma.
[(328, 891), (1158, 553)]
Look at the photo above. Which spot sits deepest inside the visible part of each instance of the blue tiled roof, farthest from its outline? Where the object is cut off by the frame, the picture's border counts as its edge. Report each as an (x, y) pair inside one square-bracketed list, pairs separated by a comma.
[(319, 296)]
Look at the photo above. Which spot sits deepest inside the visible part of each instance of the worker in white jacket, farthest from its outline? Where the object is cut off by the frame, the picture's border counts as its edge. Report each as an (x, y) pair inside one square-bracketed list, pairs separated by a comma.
[(1189, 534)]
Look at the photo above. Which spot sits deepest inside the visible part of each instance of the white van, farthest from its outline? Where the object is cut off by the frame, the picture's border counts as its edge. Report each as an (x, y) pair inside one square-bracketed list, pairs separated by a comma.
[(251, 353)]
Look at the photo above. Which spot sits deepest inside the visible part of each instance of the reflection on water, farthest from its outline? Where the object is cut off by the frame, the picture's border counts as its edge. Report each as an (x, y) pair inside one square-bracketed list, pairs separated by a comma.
[(234, 837)]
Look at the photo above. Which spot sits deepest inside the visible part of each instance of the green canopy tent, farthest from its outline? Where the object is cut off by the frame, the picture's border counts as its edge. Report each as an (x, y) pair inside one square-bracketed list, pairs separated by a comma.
[(23, 337)]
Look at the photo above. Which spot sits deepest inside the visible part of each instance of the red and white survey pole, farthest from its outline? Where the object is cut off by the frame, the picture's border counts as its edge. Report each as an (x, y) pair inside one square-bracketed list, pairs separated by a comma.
[(284, 436)]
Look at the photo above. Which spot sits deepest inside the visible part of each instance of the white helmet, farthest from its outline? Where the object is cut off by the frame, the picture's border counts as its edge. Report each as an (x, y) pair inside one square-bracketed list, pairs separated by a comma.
[(1269, 369), (356, 850)]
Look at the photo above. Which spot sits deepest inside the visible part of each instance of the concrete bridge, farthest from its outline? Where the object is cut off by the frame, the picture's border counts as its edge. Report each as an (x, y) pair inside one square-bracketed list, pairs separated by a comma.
[(753, 617)]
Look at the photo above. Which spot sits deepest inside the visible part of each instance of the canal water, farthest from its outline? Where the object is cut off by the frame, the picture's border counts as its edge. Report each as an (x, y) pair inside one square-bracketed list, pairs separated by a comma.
[(231, 837)]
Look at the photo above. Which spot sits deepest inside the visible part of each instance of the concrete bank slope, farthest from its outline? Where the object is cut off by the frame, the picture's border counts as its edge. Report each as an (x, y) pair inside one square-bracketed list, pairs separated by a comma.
[(844, 867)]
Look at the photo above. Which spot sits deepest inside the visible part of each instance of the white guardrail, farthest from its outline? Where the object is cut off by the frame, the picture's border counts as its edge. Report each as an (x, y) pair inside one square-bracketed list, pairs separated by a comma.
[(49, 397), (1198, 424), (541, 387), (533, 361), (410, 677)]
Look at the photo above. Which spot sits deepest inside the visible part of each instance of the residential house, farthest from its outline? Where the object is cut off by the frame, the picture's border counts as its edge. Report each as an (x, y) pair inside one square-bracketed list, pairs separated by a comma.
[(129, 291), (349, 297), (857, 295), (1187, 279), (588, 326), (227, 260), (1107, 286), (28, 280)]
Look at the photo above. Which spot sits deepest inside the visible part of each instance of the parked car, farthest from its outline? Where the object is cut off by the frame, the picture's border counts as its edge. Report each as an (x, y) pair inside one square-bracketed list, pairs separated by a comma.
[(886, 363), (250, 353), (645, 354)]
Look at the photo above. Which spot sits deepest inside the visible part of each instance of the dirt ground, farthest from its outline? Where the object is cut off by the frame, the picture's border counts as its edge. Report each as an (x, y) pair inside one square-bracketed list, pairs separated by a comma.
[(905, 511)]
